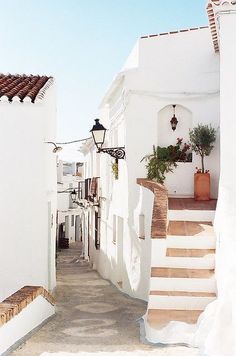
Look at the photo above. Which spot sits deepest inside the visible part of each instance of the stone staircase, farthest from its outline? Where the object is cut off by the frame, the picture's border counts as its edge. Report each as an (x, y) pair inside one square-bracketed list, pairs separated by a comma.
[(182, 273), (182, 281)]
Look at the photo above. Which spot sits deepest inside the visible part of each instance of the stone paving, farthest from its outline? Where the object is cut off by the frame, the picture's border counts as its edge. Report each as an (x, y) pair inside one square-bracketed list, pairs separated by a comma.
[(93, 317)]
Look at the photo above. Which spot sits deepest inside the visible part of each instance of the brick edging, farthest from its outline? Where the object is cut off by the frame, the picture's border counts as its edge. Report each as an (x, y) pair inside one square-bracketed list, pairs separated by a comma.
[(160, 207), (14, 304)]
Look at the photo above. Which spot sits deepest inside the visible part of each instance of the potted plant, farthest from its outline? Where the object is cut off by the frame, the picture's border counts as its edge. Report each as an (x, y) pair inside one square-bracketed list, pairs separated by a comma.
[(164, 159), (202, 138)]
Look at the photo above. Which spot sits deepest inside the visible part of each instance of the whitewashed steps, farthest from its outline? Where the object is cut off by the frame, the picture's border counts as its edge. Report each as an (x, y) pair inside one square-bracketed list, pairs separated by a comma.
[(180, 293), (189, 252), (205, 262), (158, 318), (190, 228), (207, 285), (191, 215), (169, 272), (179, 302), (191, 242), (182, 276)]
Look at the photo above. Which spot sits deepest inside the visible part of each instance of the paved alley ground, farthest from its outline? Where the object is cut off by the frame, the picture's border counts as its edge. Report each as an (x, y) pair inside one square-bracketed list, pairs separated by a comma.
[(92, 317)]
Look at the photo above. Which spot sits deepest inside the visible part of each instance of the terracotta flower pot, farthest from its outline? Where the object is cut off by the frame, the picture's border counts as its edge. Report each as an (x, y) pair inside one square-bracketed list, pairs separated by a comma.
[(202, 186)]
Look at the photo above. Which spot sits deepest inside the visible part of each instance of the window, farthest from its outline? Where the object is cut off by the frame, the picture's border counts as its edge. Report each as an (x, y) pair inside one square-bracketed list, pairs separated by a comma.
[(97, 230), (87, 188), (72, 220)]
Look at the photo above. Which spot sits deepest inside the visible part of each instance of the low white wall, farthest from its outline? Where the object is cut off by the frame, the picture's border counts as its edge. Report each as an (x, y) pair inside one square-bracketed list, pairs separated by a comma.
[(29, 318)]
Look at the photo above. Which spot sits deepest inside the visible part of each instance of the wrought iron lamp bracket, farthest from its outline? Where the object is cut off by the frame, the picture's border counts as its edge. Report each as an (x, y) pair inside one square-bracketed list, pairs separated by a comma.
[(115, 152)]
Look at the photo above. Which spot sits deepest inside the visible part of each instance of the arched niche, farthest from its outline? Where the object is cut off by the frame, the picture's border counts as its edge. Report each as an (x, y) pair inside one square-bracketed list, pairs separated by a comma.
[(165, 135)]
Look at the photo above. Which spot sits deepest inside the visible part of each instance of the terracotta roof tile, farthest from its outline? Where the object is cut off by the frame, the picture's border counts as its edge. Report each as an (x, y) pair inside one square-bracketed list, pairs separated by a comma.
[(174, 32), (223, 2), (14, 304), (212, 19), (23, 86)]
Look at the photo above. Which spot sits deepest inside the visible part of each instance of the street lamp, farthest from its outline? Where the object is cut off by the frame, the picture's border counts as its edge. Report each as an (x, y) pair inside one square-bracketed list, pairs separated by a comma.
[(56, 148), (73, 195), (99, 132)]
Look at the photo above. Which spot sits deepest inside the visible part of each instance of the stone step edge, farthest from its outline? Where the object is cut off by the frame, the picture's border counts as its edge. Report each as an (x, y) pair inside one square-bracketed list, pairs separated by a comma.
[(191, 215), (14, 304), (161, 317), (171, 272), (182, 294), (188, 252)]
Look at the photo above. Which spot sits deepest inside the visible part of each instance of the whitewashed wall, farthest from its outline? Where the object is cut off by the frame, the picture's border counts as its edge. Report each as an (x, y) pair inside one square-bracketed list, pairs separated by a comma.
[(28, 194), (217, 337), (160, 72)]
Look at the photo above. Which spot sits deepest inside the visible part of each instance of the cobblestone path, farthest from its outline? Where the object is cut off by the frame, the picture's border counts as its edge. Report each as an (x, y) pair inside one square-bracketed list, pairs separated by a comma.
[(92, 317)]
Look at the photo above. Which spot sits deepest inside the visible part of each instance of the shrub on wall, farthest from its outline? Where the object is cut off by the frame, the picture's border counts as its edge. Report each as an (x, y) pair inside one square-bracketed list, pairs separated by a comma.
[(164, 159)]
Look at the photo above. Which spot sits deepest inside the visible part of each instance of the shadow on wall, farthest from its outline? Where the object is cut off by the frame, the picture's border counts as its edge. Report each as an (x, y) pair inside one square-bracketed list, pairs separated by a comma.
[(140, 264), (110, 271)]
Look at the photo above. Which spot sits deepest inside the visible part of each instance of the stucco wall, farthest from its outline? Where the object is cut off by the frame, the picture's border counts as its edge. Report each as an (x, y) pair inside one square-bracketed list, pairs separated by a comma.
[(137, 110), (142, 113), (28, 194)]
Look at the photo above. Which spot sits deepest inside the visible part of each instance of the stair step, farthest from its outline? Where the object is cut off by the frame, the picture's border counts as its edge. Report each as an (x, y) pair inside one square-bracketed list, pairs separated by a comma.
[(183, 284), (181, 272), (157, 318), (206, 262), (190, 228), (184, 294), (188, 252), (191, 215), (178, 302), (191, 242), (191, 204)]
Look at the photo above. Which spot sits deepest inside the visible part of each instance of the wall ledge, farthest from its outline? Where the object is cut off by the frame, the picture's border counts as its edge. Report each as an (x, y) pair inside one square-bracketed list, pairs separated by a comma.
[(160, 207), (14, 304)]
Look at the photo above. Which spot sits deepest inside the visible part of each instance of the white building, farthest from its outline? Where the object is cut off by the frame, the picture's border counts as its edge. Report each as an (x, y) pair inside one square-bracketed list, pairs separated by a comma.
[(28, 197), (194, 70), (69, 176), (137, 110)]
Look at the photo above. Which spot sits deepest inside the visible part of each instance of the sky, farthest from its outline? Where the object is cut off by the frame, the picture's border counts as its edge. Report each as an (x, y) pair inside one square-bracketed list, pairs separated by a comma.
[(83, 44)]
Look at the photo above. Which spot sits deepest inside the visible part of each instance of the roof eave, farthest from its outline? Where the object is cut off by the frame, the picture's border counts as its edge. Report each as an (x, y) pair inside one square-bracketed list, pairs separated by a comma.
[(114, 85)]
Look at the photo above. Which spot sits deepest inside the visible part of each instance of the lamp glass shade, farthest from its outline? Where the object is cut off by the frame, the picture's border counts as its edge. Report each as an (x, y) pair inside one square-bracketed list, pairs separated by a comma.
[(174, 122), (73, 195), (98, 132)]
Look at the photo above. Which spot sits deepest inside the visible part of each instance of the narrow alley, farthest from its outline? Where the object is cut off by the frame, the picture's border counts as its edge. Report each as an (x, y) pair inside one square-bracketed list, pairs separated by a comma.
[(92, 316)]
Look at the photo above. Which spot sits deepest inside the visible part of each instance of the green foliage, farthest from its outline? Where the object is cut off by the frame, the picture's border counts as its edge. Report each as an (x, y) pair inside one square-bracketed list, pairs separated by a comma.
[(115, 170), (163, 160), (202, 138)]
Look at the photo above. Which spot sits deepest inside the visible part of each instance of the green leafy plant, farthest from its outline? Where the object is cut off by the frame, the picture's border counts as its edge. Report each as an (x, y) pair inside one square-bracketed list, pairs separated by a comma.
[(115, 169), (202, 138), (164, 159)]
